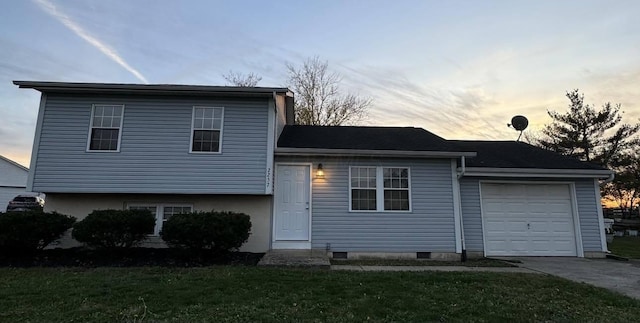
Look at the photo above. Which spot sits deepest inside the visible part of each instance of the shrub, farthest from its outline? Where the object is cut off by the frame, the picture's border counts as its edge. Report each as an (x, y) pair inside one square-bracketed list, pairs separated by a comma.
[(218, 231), (31, 230), (114, 228)]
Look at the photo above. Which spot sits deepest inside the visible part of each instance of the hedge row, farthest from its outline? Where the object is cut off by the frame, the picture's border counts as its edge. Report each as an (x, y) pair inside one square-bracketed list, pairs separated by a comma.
[(23, 232), (108, 229)]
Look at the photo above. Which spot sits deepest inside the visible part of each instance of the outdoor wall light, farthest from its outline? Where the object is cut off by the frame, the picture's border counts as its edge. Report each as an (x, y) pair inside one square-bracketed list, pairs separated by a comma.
[(320, 171)]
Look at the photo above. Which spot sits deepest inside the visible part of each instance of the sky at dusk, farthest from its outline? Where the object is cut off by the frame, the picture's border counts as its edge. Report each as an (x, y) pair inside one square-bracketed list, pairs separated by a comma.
[(460, 69)]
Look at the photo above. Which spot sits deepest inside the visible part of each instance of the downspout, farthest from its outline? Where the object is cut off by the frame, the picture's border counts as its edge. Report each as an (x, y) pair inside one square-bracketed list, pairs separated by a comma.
[(605, 246), (610, 178), (463, 256), (463, 167)]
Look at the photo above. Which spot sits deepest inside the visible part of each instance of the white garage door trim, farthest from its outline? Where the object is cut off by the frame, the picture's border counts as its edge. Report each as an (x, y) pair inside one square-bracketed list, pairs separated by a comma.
[(574, 209)]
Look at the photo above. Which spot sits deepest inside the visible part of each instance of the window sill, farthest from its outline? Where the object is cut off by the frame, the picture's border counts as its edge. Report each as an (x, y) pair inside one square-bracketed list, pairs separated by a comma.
[(376, 211), (206, 152)]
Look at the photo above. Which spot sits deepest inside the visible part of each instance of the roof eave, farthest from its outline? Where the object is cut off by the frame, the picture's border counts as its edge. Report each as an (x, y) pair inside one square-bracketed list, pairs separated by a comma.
[(157, 89), (536, 172), (370, 152)]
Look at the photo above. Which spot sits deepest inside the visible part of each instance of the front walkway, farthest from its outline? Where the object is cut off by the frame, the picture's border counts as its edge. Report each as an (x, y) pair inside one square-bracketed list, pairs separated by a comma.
[(434, 268), (619, 276)]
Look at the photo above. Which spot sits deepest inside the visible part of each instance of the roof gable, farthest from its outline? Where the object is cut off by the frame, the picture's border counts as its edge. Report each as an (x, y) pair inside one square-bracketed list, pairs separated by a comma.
[(12, 163), (12, 174)]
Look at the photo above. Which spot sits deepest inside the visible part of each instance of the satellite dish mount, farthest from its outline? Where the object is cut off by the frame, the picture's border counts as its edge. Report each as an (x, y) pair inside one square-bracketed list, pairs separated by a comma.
[(519, 123)]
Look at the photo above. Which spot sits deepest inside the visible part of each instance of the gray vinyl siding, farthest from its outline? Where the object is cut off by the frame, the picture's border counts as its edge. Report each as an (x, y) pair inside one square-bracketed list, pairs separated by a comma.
[(588, 211), (585, 198), (429, 227), (471, 219), (154, 154)]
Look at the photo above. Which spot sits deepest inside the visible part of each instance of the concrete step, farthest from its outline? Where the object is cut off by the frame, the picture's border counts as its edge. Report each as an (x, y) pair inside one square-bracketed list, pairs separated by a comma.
[(296, 258)]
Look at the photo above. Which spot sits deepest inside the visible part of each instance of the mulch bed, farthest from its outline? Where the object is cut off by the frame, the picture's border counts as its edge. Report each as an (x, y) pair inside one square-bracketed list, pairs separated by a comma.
[(134, 257)]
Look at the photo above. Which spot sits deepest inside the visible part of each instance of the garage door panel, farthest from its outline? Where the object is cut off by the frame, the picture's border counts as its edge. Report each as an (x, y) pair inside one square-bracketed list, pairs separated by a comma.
[(519, 245), (494, 206), (496, 226), (562, 228), (556, 191), (528, 220), (513, 208), (538, 246), (516, 226), (497, 190), (539, 227), (498, 245)]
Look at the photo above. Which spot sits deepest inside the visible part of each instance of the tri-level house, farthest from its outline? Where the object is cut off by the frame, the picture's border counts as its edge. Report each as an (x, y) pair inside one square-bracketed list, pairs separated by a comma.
[(351, 191)]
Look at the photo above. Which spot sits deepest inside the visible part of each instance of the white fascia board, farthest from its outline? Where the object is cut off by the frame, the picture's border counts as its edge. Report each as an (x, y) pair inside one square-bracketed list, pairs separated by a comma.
[(369, 152), (271, 143), (536, 172), (36, 143)]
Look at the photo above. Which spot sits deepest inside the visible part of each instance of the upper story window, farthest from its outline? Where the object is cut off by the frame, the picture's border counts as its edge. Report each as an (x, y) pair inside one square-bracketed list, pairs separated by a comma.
[(206, 133), (380, 189), (105, 128)]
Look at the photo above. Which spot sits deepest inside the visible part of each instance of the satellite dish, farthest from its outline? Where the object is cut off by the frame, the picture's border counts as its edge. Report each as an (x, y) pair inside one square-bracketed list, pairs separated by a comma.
[(519, 123)]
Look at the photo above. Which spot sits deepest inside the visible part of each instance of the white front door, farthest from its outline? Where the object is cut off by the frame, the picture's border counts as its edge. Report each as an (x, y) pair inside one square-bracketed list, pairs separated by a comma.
[(292, 206), (528, 220)]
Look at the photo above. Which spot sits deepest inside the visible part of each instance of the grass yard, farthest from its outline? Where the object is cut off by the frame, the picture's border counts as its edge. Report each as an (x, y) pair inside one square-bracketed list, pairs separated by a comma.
[(249, 294), (628, 247)]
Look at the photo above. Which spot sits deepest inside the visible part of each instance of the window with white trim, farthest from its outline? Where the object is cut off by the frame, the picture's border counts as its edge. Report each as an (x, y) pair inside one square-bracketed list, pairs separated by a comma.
[(379, 189), (363, 188), (105, 128), (396, 189), (162, 212), (206, 133)]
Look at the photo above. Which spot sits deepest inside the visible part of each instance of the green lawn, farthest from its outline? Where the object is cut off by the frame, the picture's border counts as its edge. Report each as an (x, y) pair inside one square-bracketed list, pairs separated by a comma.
[(626, 247), (249, 294)]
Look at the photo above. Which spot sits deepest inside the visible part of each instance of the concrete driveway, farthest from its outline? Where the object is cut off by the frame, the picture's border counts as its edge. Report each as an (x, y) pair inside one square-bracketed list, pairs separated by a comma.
[(619, 276)]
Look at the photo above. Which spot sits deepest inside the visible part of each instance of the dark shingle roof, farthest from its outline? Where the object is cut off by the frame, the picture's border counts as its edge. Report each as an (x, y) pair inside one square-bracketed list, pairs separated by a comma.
[(490, 154), (74, 87), (365, 138), (513, 154)]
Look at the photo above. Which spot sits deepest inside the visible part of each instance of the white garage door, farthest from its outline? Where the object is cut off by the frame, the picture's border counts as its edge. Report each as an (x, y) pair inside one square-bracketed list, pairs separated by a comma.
[(528, 220)]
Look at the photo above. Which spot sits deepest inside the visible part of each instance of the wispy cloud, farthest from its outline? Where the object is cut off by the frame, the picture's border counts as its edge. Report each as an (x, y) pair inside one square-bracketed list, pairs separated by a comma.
[(51, 9), (450, 112)]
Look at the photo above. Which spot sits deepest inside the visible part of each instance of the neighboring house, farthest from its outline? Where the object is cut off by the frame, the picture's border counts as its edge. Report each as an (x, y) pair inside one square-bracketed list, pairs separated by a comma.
[(13, 181), (352, 191)]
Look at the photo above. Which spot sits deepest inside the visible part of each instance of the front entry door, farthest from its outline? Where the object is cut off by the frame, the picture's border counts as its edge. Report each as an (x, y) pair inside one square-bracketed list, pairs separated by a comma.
[(292, 205)]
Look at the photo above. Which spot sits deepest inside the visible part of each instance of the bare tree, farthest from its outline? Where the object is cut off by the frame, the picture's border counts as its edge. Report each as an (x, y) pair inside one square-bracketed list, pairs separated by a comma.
[(532, 137), (243, 80), (319, 100)]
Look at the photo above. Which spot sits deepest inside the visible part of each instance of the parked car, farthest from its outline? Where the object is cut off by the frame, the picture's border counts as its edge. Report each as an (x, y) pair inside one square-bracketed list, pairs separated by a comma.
[(25, 203)]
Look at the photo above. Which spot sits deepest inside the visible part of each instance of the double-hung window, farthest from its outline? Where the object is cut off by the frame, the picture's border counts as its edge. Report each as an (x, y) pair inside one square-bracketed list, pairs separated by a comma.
[(162, 212), (380, 189), (106, 128), (363, 188), (206, 133)]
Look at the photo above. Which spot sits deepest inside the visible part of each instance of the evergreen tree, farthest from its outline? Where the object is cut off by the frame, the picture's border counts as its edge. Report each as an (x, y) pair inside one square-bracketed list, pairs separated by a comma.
[(588, 133)]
